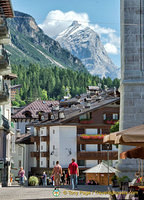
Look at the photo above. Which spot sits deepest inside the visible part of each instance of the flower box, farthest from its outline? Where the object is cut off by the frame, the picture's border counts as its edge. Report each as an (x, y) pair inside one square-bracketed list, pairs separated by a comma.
[(92, 137)]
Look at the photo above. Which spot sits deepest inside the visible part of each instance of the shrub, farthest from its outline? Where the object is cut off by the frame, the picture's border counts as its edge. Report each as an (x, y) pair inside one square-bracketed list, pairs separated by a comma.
[(33, 180)]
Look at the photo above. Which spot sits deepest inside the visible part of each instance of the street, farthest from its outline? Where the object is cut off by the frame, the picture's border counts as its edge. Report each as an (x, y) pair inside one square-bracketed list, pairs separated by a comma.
[(88, 192)]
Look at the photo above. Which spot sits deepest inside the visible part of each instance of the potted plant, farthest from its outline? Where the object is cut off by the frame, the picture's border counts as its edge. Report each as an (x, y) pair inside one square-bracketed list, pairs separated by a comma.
[(33, 181), (114, 181), (123, 181)]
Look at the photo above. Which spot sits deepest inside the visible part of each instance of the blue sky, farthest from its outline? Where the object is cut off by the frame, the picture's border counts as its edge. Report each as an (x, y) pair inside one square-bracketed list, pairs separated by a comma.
[(101, 15)]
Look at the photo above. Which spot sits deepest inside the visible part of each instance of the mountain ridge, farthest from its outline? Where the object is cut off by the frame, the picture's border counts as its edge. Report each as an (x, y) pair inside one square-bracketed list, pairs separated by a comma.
[(85, 43), (29, 44)]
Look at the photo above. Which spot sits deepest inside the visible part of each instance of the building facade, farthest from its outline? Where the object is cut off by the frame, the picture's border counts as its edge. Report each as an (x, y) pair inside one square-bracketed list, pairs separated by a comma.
[(28, 114), (76, 130), (132, 74), (6, 11)]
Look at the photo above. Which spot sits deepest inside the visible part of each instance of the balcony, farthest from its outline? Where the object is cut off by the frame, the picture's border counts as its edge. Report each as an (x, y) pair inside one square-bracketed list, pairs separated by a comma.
[(90, 139), (35, 139), (3, 27), (45, 154), (35, 154), (4, 92), (110, 121), (4, 61), (45, 139), (4, 123), (97, 155)]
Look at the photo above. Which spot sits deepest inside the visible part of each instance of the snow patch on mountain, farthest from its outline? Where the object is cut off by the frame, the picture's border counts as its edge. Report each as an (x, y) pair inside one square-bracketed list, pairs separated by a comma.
[(85, 44)]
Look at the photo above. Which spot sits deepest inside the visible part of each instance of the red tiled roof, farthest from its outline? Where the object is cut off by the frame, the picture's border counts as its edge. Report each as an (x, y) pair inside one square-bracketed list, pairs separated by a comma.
[(34, 108)]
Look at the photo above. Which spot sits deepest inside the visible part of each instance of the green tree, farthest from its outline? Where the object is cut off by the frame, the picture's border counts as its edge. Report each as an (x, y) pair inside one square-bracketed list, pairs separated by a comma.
[(114, 127), (44, 95)]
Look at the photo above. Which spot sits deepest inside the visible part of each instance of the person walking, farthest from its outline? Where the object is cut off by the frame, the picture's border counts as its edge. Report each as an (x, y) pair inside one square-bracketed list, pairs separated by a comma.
[(68, 178), (44, 179), (57, 172), (21, 175), (63, 178), (74, 173)]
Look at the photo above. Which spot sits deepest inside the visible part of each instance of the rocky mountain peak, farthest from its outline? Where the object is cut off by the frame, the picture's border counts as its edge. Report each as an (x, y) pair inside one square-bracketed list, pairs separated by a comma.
[(85, 43)]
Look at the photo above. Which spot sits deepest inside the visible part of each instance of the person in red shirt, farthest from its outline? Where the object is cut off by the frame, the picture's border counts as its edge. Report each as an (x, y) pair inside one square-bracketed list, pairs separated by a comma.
[(73, 172)]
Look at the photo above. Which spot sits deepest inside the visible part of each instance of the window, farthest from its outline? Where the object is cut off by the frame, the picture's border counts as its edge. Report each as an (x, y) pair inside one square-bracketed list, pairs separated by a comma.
[(86, 116), (100, 131), (81, 162), (53, 131), (82, 147), (41, 132), (27, 114), (19, 163), (104, 116), (53, 162), (41, 163), (106, 147), (53, 147), (115, 116), (41, 147)]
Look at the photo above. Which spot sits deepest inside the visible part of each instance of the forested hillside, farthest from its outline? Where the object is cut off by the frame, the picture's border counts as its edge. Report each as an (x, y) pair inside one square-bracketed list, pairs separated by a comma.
[(51, 82)]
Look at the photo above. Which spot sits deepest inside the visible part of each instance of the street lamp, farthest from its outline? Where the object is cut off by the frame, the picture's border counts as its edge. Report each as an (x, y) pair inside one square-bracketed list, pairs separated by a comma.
[(108, 148)]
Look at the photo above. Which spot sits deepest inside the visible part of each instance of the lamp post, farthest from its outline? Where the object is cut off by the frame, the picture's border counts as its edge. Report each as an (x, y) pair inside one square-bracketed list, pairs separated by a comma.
[(108, 147)]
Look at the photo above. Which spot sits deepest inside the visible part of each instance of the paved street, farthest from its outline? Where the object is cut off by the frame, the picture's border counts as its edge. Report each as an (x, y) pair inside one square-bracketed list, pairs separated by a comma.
[(43, 193)]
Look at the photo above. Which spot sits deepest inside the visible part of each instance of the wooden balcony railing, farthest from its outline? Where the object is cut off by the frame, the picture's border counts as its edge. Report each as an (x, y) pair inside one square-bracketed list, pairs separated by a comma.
[(35, 154), (45, 154), (45, 139), (35, 139), (99, 155)]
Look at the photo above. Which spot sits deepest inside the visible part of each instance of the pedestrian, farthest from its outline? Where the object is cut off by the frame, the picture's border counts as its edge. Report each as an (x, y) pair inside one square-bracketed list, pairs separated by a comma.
[(21, 175), (68, 178), (74, 173), (57, 172), (44, 179), (63, 178), (52, 179)]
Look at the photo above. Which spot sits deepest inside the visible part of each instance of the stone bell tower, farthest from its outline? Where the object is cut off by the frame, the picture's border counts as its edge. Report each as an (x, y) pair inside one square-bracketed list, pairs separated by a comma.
[(132, 73)]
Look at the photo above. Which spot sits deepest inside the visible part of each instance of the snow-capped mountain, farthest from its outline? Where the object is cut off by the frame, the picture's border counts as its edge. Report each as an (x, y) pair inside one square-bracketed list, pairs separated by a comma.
[(85, 44)]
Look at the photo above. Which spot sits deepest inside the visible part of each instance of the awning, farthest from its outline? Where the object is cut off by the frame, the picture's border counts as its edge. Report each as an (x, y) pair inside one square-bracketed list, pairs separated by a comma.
[(110, 138), (101, 168), (137, 152), (132, 136)]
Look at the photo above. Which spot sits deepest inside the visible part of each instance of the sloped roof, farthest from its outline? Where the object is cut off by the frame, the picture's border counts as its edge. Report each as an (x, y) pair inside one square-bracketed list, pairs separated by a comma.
[(71, 113), (34, 108), (101, 168), (24, 139)]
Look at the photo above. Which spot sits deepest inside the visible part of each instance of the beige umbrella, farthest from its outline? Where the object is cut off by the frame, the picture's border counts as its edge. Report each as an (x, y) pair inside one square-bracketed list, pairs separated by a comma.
[(132, 136)]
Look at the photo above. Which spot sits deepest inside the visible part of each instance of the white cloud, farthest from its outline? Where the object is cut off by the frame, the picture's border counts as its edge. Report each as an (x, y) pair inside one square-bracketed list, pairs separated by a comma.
[(57, 21), (110, 48), (101, 30)]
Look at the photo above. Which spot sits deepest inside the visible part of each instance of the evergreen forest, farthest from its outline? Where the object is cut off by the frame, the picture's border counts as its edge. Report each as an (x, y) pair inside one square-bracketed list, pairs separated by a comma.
[(51, 83)]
